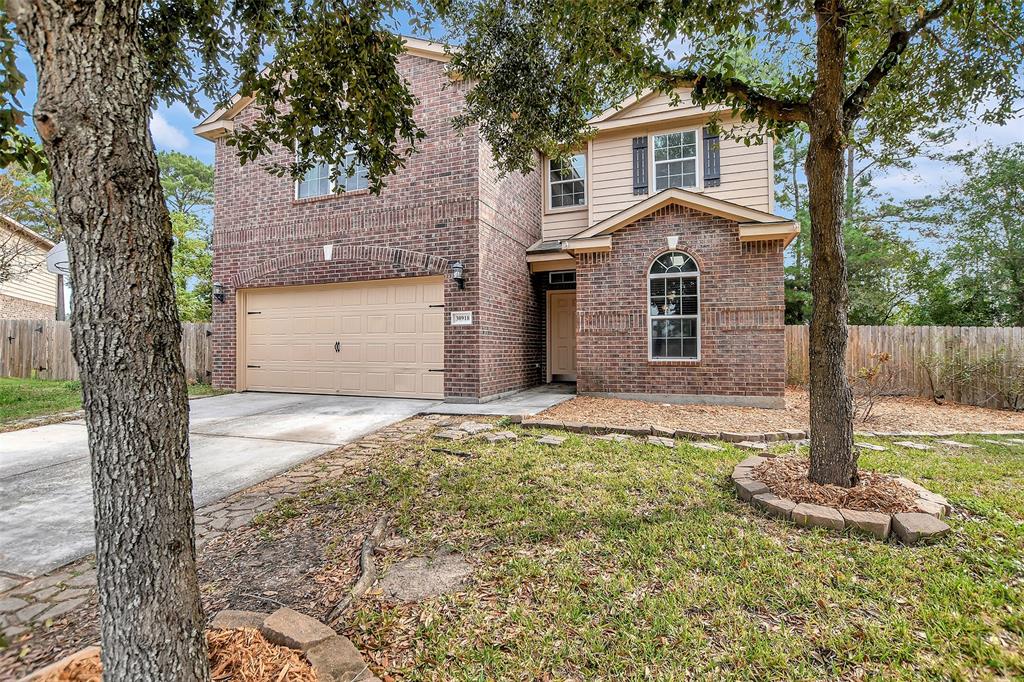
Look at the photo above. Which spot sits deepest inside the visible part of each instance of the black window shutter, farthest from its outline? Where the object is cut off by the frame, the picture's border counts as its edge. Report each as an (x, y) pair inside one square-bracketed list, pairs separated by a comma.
[(712, 159), (640, 165)]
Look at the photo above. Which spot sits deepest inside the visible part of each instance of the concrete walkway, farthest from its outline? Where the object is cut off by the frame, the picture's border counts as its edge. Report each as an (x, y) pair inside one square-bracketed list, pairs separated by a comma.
[(237, 440), (527, 403)]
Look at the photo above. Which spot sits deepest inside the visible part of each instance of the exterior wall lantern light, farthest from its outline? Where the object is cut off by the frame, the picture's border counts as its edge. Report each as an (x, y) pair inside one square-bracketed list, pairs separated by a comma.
[(459, 273), (218, 292)]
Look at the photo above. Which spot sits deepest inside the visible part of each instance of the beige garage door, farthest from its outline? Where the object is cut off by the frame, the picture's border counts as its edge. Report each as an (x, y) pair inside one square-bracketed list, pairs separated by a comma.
[(367, 338)]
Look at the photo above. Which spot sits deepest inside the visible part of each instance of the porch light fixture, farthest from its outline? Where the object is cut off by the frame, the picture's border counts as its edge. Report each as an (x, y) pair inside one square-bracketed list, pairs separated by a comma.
[(458, 273), (218, 292)]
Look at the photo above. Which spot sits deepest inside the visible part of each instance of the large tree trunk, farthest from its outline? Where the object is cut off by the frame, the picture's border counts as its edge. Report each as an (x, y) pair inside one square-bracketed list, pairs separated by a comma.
[(92, 114), (832, 456)]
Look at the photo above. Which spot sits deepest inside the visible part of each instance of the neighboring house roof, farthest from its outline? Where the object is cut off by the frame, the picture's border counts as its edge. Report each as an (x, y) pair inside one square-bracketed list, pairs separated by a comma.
[(221, 121), (14, 226)]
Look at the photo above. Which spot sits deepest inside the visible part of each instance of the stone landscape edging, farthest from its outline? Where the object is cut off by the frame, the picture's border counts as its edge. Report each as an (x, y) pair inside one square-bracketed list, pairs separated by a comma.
[(334, 657), (910, 527), (730, 436)]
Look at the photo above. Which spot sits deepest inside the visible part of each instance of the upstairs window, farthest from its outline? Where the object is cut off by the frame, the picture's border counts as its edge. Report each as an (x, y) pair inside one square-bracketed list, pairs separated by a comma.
[(675, 160), (674, 300), (567, 182), (315, 183), (317, 180)]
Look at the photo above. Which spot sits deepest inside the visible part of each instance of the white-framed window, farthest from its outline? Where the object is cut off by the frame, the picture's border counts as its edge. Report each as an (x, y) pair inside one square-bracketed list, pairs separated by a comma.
[(674, 307), (675, 160), (315, 183), (317, 180), (567, 182)]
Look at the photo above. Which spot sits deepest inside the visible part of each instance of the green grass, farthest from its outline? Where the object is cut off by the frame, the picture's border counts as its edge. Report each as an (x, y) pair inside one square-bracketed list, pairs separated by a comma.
[(22, 398), (600, 560)]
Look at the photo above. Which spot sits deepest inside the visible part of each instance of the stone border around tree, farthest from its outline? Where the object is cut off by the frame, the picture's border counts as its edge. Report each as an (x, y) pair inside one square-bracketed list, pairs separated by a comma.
[(911, 528), (334, 657)]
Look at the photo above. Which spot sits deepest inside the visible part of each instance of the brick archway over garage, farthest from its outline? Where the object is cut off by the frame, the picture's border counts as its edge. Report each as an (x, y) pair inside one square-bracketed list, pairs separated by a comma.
[(381, 254)]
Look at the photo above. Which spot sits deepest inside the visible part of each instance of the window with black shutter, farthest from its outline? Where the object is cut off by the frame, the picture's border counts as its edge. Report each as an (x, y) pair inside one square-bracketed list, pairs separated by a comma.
[(712, 159), (640, 165)]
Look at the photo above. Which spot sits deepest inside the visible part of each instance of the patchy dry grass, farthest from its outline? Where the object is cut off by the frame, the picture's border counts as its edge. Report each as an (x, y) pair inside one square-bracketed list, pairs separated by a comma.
[(601, 560)]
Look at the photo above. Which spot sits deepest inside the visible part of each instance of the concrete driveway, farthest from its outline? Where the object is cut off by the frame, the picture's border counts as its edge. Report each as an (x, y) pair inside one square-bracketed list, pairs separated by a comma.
[(237, 440)]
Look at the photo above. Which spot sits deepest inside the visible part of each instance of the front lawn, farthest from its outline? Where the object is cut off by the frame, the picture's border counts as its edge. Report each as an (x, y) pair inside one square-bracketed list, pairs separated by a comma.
[(601, 560), (22, 398)]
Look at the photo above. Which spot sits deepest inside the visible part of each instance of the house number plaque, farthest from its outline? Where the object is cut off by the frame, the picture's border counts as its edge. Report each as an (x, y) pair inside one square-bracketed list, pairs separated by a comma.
[(462, 319)]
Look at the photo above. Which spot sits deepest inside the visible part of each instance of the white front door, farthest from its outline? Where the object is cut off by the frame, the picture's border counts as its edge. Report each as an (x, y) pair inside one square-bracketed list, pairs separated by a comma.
[(561, 336)]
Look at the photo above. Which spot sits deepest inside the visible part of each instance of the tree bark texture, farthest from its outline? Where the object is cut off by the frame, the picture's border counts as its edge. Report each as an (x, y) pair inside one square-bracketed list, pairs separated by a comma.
[(833, 459), (92, 115)]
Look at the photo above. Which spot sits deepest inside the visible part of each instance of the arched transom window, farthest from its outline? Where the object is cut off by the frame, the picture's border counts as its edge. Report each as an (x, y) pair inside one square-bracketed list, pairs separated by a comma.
[(674, 287)]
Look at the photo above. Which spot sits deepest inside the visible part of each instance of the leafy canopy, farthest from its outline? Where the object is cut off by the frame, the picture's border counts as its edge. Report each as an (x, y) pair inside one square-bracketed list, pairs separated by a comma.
[(331, 84), (541, 69)]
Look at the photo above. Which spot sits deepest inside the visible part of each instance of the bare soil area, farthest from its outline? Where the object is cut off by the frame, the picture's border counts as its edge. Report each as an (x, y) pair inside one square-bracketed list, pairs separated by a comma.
[(890, 414)]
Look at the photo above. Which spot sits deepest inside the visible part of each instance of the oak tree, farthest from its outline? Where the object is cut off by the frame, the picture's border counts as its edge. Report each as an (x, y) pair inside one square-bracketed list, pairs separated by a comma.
[(102, 66), (894, 68)]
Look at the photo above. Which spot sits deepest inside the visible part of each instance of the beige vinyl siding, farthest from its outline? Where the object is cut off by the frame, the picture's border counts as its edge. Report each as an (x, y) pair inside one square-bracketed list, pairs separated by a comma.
[(38, 286), (563, 224), (746, 172)]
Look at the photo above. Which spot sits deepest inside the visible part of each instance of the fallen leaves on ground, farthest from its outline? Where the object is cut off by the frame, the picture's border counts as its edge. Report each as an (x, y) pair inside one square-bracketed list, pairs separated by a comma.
[(787, 477), (238, 655)]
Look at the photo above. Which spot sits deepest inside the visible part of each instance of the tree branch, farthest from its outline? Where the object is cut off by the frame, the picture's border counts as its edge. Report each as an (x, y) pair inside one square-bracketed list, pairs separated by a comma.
[(888, 60), (786, 111)]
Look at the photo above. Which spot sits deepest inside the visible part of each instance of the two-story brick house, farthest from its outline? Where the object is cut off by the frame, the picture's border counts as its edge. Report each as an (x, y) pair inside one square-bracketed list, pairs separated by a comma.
[(650, 264)]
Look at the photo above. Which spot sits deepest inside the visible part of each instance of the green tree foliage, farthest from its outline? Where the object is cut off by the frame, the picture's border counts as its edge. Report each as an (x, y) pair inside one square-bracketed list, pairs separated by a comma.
[(187, 182), (193, 268), (28, 198), (188, 188), (980, 221)]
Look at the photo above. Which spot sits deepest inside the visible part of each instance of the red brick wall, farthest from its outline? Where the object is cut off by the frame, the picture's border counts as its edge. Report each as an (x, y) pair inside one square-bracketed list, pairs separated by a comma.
[(741, 309), (429, 211), (511, 340)]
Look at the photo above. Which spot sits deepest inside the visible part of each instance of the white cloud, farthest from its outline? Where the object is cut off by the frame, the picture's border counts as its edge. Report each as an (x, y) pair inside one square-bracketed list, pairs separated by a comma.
[(166, 135)]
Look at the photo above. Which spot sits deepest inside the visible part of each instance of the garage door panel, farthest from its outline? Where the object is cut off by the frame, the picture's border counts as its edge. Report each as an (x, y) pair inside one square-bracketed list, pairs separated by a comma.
[(389, 338)]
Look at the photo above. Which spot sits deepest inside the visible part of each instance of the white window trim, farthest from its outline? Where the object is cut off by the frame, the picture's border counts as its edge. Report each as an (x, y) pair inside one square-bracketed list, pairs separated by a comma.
[(650, 318), (331, 182), (698, 160), (586, 186)]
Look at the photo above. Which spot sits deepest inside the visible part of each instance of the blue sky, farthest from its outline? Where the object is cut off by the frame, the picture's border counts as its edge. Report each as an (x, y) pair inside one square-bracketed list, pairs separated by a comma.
[(171, 127)]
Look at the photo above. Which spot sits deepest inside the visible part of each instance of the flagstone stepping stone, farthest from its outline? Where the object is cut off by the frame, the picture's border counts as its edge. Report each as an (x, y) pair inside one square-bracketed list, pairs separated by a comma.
[(795, 434), (338, 660), (1018, 441), (710, 447), (730, 437), (956, 444), (661, 441), (553, 441), (474, 428), (994, 442), (450, 434), (870, 446), (616, 437), (931, 508), (914, 527), (751, 445), (421, 578), (912, 445), (694, 435), (872, 523), (500, 436)]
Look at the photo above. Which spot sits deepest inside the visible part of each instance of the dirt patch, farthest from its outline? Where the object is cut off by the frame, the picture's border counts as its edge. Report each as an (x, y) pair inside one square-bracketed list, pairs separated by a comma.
[(787, 477), (237, 655), (891, 414)]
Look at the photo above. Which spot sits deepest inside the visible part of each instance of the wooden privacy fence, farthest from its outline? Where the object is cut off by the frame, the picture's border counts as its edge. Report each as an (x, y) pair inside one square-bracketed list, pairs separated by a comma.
[(42, 349), (909, 346)]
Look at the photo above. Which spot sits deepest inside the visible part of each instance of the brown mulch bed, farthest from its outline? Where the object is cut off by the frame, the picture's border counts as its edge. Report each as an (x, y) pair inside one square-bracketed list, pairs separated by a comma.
[(237, 655), (787, 477), (890, 414)]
